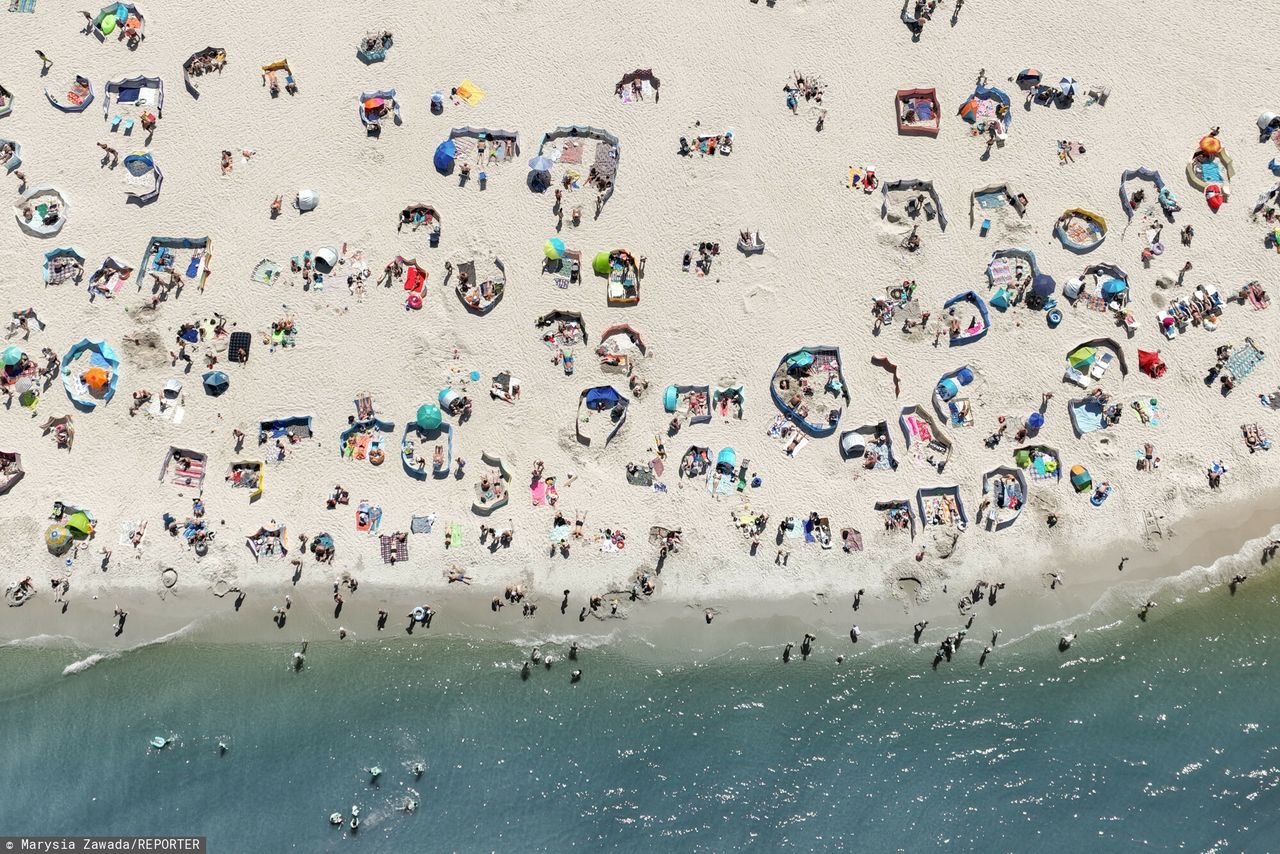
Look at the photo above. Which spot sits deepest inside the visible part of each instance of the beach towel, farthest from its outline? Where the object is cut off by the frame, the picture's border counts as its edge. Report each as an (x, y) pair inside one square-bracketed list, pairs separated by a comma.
[(470, 92), (1002, 273), (1210, 172), (538, 492), (455, 535), (127, 530), (362, 446), (1087, 416), (364, 516), (571, 152), (421, 524), (193, 267)]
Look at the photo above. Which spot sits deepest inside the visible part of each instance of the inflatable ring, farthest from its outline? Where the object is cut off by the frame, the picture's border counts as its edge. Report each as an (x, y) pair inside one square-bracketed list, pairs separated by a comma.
[(202, 548), (1054, 317), (414, 301), (377, 457)]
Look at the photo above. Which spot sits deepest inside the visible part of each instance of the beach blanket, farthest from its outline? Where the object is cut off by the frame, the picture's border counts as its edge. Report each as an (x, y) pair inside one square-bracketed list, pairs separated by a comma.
[(1087, 416), (1002, 273), (393, 548), (470, 92), (571, 152), (538, 492), (1242, 362), (127, 530), (421, 524), (606, 160)]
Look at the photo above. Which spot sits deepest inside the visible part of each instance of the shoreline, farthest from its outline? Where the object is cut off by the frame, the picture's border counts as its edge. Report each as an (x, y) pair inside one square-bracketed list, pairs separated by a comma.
[(1090, 581)]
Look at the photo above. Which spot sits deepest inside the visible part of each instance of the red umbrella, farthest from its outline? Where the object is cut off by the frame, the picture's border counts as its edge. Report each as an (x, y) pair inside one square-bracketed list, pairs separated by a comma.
[(1151, 364)]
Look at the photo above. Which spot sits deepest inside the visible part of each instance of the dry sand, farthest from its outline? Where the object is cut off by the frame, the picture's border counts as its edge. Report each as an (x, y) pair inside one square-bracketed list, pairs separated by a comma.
[(828, 252)]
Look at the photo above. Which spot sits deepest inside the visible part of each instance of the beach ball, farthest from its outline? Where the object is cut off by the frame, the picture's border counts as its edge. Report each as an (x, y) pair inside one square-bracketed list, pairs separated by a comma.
[(1210, 145), (12, 356), (553, 249), (108, 24)]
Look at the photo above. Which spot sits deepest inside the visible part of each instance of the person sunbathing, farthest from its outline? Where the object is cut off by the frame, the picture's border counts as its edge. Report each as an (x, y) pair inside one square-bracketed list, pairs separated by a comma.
[(437, 457)]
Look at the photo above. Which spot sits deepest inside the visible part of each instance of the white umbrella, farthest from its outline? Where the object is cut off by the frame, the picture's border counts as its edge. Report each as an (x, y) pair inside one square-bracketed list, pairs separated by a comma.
[(541, 164), (1069, 86), (1268, 121), (307, 200)]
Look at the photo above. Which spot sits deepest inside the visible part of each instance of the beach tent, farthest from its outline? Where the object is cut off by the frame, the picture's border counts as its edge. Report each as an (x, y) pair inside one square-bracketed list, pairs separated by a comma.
[(993, 197), (605, 167), (142, 173), (1140, 174), (11, 470), (1080, 230), (48, 211), (79, 96), (918, 112), (498, 493), (160, 257), (63, 264), (912, 185), (646, 78), (14, 160), (1151, 364), (141, 92), (444, 156), (601, 399), (375, 104), (1081, 480), (973, 333), (124, 17), (88, 360), (195, 66)]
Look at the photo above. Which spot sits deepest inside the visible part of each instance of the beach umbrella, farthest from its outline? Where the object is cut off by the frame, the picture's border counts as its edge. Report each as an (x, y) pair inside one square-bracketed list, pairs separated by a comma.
[(1210, 145), (12, 356), (96, 378), (108, 24), (1028, 77), (1043, 285), (57, 538), (1112, 287), (1083, 357), (79, 523), (429, 417), (444, 156), (800, 360), (215, 383), (307, 200), (323, 540), (447, 397), (601, 264), (553, 249), (969, 111), (1069, 86), (541, 164), (372, 105), (1035, 421)]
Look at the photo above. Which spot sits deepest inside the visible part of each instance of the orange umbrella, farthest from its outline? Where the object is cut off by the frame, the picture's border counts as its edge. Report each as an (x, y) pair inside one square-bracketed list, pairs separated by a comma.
[(1210, 145), (96, 378)]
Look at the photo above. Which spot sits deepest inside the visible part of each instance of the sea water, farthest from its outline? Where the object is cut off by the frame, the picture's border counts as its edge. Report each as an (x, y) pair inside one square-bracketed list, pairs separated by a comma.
[(1156, 735)]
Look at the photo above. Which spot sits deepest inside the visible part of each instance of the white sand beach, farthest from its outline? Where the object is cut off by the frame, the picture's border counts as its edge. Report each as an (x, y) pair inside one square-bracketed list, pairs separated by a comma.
[(828, 253)]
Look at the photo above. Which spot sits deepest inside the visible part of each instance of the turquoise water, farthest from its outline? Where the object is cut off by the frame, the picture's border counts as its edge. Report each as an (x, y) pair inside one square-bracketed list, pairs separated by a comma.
[(1148, 736)]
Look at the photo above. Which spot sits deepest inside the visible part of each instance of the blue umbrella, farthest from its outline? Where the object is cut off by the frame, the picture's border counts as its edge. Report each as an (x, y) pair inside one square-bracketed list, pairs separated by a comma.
[(444, 156), (1035, 421), (1111, 287), (215, 383), (1043, 285), (541, 164)]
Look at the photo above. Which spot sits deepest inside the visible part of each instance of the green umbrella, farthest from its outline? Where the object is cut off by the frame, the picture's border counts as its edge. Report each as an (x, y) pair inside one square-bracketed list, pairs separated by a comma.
[(429, 417), (601, 264), (79, 523), (12, 355)]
